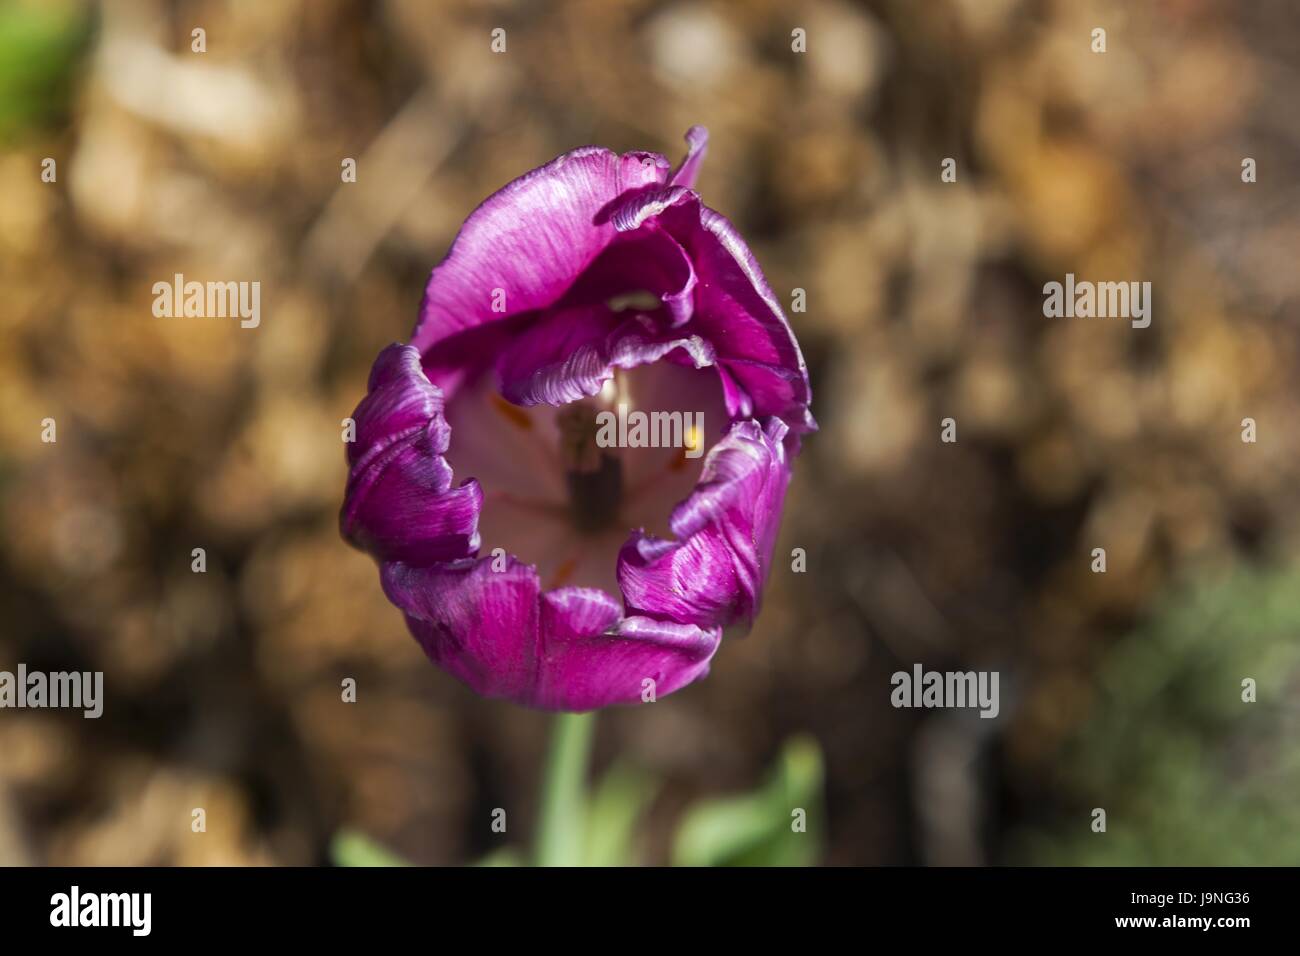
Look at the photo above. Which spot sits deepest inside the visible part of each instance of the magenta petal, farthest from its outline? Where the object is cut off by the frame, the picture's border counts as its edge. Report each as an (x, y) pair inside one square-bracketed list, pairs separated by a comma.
[(568, 649), (399, 503), (736, 310), (570, 354), (559, 358), (527, 243), (712, 575), (595, 657), (697, 144), (638, 207), (648, 259), (478, 624)]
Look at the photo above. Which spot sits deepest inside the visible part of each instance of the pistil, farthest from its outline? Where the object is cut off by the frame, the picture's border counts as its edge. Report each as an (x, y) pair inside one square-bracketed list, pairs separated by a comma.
[(593, 475)]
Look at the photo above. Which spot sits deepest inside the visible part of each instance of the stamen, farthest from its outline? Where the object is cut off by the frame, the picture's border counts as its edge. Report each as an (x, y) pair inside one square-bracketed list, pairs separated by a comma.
[(694, 441), (563, 574), (511, 413), (520, 419)]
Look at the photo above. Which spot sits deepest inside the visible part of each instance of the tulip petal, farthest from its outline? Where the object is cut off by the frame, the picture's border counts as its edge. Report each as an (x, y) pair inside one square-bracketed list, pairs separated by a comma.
[(567, 649), (596, 657), (736, 310), (399, 503), (647, 260), (527, 243), (697, 144), (570, 354), (763, 371), (638, 207), (712, 575)]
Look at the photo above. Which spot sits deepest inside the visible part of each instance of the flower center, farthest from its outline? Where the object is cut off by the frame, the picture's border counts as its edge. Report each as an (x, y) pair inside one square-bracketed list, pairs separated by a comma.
[(564, 486), (593, 475)]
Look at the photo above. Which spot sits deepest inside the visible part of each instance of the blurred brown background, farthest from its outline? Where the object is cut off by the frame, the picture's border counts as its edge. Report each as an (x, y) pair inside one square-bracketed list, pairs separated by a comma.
[(1119, 690)]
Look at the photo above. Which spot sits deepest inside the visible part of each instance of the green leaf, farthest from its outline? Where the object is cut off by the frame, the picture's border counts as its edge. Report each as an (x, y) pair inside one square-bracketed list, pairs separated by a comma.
[(761, 828), (350, 848), (40, 46)]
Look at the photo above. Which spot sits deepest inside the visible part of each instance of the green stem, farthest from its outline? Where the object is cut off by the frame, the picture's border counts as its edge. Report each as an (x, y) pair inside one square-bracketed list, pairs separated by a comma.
[(564, 791)]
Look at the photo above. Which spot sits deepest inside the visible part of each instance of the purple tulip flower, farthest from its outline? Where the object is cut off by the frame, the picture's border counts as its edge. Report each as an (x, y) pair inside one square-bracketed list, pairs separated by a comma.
[(595, 286)]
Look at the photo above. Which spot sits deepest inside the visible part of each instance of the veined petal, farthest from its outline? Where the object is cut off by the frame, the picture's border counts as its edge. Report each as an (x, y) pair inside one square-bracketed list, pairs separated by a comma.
[(697, 144), (399, 503), (647, 260), (736, 310), (567, 649), (637, 208), (596, 657), (712, 575), (528, 242), (570, 354)]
